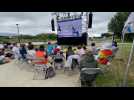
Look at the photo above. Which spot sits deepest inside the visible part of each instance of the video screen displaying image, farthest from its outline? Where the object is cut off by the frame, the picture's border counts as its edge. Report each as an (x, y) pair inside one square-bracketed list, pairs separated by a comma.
[(70, 28)]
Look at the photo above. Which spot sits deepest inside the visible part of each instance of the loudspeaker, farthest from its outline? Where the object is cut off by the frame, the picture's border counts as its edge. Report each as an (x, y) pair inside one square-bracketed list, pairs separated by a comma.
[(90, 20), (52, 25), (84, 38)]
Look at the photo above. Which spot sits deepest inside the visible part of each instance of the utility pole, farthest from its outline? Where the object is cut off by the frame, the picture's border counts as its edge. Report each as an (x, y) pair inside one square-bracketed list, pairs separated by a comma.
[(18, 33)]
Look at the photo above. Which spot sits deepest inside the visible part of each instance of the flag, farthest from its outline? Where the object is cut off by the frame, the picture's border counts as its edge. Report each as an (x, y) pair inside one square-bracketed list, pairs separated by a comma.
[(129, 29)]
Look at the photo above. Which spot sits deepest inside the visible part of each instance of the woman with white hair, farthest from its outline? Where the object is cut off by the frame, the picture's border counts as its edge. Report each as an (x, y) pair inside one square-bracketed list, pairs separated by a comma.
[(15, 51)]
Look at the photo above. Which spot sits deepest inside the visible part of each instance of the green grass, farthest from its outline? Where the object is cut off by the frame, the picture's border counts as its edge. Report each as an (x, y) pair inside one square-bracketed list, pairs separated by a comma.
[(114, 76)]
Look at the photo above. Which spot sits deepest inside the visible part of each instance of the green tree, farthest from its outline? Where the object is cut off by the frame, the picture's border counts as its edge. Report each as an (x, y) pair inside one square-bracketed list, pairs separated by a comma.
[(45, 37), (52, 36), (116, 24)]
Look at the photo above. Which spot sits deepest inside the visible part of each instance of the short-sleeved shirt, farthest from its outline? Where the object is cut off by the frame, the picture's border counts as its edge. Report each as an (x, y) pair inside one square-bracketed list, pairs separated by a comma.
[(31, 53), (69, 53), (49, 49), (41, 54)]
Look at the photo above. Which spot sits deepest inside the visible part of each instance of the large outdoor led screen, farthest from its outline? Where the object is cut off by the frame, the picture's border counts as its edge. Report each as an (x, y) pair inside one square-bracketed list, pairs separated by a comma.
[(70, 28)]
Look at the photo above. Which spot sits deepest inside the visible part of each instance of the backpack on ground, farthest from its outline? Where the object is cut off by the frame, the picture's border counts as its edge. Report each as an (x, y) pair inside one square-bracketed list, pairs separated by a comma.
[(50, 72)]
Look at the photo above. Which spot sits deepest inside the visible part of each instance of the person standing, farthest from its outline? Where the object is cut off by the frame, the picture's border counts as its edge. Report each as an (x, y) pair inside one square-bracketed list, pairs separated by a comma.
[(114, 43), (49, 48), (23, 51), (30, 53), (15, 51)]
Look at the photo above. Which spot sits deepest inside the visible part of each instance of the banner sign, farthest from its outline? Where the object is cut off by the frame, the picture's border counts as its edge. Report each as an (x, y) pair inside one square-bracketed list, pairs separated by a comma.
[(129, 24)]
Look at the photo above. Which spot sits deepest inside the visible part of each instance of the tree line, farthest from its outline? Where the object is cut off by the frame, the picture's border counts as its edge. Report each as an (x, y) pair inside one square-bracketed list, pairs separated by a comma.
[(116, 25), (29, 38)]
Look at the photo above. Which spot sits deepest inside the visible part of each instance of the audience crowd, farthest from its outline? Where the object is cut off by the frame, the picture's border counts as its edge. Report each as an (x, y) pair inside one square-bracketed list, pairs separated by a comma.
[(53, 52)]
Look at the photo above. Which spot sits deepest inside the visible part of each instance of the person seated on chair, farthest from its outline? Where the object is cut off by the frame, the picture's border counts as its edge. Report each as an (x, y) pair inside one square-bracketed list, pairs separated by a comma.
[(75, 50), (57, 49), (80, 51), (3, 59), (69, 52), (70, 59), (94, 49), (85, 49), (59, 60), (31, 53), (88, 76), (104, 54), (41, 55)]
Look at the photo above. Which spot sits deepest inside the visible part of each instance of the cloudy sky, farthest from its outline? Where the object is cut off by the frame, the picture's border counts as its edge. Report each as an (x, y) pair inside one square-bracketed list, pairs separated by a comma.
[(39, 22)]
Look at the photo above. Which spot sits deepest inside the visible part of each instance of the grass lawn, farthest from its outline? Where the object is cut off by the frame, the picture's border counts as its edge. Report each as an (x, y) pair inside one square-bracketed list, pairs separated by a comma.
[(114, 76)]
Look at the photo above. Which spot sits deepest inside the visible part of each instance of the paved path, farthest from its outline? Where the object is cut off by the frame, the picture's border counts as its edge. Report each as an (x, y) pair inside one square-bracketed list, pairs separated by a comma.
[(15, 75)]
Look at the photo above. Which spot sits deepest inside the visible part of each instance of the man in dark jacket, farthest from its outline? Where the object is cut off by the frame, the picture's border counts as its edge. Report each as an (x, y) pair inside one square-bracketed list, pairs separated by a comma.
[(23, 51), (88, 69)]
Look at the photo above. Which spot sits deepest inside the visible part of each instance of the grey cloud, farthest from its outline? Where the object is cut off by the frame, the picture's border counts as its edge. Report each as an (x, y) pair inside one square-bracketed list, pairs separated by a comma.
[(38, 22), (100, 21), (31, 22), (18, 16)]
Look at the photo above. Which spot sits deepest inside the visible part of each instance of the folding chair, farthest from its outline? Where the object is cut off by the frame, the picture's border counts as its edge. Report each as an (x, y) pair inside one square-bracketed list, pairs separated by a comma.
[(58, 61), (75, 64), (72, 62), (88, 76), (40, 69)]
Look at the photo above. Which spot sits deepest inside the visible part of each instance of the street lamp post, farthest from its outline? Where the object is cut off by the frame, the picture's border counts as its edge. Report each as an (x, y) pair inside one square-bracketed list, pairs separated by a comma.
[(18, 32)]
